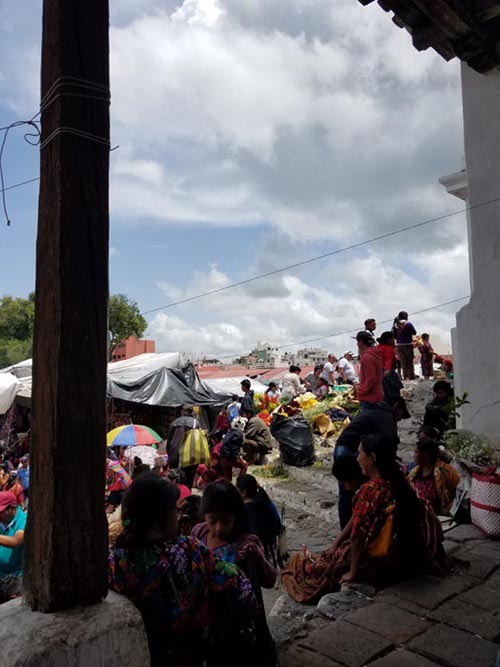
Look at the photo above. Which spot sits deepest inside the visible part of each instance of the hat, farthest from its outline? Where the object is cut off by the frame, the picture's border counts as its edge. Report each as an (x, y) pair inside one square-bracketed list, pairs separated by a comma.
[(365, 338), (7, 498), (26, 457), (348, 352)]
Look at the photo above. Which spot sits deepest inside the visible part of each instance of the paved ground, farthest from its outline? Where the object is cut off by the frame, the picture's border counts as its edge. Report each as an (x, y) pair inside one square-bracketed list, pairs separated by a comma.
[(450, 619)]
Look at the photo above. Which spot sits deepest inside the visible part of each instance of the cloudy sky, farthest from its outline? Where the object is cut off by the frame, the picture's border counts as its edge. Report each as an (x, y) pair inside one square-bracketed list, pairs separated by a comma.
[(254, 134)]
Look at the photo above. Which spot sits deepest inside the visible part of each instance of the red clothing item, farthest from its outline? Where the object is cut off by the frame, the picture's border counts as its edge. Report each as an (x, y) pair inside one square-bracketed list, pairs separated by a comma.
[(370, 377), (388, 355)]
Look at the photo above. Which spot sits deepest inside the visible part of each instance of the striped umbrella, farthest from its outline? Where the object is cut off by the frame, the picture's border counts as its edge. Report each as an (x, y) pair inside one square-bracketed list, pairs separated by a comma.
[(132, 435)]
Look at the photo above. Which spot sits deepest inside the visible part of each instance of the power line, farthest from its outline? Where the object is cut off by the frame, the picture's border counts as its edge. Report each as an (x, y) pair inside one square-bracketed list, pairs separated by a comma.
[(18, 185), (354, 331), (353, 246)]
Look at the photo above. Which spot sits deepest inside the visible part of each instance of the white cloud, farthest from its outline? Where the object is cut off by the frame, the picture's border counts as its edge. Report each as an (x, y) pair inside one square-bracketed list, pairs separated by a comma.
[(316, 120), (352, 290), (205, 12), (249, 119)]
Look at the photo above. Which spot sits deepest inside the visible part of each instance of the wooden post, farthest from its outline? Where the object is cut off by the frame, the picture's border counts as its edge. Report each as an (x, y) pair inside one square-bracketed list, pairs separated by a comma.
[(66, 538)]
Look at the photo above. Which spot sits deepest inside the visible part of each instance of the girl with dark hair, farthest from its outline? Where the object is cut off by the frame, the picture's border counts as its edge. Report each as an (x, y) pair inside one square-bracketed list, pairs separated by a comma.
[(226, 532), (433, 480), (196, 608), (263, 516), (383, 540)]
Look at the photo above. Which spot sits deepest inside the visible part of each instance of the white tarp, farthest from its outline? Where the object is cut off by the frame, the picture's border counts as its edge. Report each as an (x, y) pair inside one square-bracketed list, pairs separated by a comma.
[(16, 380), (132, 370), (231, 385), (9, 387)]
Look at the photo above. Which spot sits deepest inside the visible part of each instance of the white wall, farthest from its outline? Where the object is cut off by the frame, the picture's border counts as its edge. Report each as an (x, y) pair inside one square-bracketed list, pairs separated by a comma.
[(478, 323)]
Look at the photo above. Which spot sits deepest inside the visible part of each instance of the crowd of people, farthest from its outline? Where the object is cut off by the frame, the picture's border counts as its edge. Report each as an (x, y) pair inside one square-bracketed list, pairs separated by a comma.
[(193, 550)]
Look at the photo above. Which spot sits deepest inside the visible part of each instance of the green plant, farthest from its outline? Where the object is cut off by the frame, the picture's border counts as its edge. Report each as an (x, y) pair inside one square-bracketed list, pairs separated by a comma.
[(471, 447), (458, 402), (276, 469)]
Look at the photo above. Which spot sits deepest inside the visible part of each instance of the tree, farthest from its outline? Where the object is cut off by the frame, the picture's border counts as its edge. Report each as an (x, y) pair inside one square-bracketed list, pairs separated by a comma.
[(125, 320), (16, 329)]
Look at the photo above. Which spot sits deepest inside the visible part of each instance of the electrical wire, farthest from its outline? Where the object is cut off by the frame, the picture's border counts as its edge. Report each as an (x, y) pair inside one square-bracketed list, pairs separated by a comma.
[(85, 89), (336, 334), (353, 246), (18, 185)]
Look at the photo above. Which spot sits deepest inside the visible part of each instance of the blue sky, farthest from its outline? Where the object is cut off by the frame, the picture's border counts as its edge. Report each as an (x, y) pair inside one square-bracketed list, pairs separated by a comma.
[(252, 136)]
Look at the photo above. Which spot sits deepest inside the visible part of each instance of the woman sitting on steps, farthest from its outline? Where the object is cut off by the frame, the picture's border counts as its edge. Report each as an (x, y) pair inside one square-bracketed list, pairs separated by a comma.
[(385, 540)]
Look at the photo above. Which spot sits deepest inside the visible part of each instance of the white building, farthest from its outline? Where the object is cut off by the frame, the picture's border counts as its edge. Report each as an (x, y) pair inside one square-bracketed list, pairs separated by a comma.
[(476, 359), (307, 356)]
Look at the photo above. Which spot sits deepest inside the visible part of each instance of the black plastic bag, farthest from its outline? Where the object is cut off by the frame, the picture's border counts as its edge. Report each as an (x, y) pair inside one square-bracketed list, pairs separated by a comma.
[(295, 440), (337, 414)]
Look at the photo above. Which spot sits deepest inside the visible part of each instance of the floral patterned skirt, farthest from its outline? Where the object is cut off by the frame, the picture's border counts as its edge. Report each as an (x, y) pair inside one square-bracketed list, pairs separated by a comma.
[(308, 578)]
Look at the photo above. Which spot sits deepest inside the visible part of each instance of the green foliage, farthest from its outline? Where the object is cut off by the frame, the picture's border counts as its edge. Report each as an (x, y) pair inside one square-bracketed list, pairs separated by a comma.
[(16, 318), (276, 469), (471, 447), (125, 320), (13, 351), (458, 402), (342, 400), (16, 329)]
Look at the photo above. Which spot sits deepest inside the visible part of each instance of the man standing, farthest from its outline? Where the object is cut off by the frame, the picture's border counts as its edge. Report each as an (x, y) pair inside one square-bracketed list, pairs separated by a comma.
[(369, 391), (403, 332), (370, 326), (346, 369), (247, 404), (329, 368), (12, 525)]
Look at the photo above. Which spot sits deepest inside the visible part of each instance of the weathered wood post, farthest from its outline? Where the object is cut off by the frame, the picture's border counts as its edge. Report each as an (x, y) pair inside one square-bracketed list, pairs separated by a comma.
[(66, 536)]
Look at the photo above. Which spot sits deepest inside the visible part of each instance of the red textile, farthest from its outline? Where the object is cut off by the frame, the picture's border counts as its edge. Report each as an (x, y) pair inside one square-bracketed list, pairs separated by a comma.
[(388, 356), (370, 377)]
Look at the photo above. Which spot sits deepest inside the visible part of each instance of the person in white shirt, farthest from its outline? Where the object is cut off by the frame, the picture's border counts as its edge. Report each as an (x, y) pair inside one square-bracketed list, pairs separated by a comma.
[(292, 386), (329, 369), (346, 369)]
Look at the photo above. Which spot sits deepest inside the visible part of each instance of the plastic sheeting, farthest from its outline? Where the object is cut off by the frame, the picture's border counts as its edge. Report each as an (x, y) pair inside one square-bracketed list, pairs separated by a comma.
[(168, 387), (153, 379), (295, 439), (132, 370), (9, 387), (231, 385)]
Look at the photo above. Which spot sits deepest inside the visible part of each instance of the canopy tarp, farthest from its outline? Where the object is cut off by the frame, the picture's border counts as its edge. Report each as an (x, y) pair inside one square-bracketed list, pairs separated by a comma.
[(151, 379), (231, 385), (9, 387), (168, 387)]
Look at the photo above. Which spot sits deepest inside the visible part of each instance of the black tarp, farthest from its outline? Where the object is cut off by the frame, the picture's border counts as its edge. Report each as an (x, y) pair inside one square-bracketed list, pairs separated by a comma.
[(167, 387)]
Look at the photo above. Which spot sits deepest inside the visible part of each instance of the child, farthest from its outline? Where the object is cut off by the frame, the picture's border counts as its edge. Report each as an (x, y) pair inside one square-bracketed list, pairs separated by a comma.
[(439, 412), (226, 455), (426, 357), (322, 389)]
